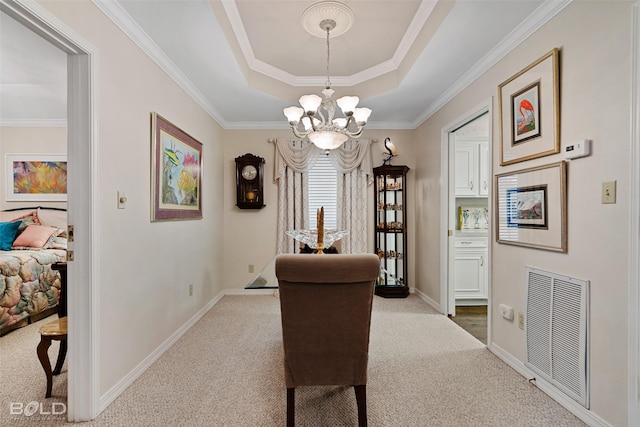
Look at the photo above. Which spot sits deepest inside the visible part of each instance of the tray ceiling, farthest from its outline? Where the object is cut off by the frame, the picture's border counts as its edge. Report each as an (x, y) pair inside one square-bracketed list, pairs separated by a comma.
[(245, 60)]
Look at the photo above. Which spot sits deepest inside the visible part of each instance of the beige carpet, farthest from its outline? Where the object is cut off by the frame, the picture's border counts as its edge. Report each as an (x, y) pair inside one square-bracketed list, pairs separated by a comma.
[(424, 370)]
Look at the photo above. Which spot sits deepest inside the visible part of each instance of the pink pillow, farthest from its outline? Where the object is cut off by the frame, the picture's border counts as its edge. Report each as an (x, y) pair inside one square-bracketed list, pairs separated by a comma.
[(34, 236)]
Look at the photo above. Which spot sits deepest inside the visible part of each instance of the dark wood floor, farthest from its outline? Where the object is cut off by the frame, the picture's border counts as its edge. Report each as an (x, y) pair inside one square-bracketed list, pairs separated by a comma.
[(472, 319)]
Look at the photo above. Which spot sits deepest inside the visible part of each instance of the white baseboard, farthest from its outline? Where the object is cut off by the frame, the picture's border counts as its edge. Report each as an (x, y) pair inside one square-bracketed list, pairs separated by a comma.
[(251, 291), (568, 403), (426, 298), (472, 302), (124, 383)]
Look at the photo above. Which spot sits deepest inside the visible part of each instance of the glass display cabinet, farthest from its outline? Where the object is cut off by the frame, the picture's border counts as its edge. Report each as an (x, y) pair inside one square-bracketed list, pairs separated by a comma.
[(391, 230)]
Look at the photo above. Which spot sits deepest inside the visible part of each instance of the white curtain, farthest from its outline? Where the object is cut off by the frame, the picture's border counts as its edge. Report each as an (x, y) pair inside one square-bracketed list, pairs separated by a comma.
[(355, 172)]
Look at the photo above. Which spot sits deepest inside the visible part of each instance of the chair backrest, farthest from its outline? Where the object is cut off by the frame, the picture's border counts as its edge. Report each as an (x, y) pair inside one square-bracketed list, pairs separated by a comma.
[(325, 303)]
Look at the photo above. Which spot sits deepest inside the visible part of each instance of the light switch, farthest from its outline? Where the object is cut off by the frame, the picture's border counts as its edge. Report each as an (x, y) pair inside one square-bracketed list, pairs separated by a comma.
[(609, 192), (122, 199)]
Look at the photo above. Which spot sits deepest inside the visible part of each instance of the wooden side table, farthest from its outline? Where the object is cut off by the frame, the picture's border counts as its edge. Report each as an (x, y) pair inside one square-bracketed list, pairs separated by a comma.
[(55, 331)]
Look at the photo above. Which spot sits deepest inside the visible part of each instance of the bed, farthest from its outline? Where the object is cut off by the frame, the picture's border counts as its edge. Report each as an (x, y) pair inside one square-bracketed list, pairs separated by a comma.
[(29, 287)]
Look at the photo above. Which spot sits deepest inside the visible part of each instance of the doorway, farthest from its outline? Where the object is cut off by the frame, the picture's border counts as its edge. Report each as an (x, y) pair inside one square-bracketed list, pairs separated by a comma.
[(82, 396), (466, 167)]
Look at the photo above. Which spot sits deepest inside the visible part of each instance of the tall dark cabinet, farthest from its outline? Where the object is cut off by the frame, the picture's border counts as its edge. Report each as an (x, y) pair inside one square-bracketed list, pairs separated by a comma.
[(391, 230)]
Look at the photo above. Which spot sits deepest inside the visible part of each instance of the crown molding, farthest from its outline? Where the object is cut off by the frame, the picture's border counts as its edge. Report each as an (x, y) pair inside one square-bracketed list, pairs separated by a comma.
[(537, 19), (258, 66), (129, 27)]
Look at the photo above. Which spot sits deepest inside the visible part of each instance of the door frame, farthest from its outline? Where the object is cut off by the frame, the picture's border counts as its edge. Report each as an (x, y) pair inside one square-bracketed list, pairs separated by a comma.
[(634, 229), (82, 143), (447, 208)]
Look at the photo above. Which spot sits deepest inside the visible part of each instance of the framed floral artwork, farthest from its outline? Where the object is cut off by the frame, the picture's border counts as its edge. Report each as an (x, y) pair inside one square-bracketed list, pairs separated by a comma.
[(529, 112), (36, 177), (176, 172)]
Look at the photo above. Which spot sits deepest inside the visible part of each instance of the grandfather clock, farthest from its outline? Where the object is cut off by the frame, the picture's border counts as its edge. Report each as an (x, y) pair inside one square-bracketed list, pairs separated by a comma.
[(249, 182)]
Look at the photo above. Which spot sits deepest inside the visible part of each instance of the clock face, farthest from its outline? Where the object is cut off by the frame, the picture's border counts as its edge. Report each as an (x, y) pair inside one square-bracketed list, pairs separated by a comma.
[(249, 172)]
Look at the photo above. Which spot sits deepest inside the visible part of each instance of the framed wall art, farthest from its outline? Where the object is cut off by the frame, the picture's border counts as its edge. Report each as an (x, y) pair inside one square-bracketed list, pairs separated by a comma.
[(473, 218), (36, 177), (531, 206), (176, 172), (529, 112)]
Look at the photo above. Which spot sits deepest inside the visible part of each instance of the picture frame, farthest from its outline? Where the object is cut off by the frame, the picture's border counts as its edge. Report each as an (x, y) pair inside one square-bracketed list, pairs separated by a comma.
[(529, 105), (473, 218), (36, 177), (531, 207), (176, 172)]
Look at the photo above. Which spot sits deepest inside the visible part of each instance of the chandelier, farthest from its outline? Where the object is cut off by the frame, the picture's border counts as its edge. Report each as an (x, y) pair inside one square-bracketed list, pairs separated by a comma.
[(315, 119)]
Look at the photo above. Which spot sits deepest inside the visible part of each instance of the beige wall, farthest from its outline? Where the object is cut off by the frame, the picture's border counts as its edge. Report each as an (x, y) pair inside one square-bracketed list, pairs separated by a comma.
[(29, 140), (594, 40), (144, 268), (250, 235)]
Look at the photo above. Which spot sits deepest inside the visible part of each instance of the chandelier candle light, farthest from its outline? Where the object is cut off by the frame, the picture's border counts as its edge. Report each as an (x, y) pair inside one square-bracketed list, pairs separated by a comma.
[(322, 129)]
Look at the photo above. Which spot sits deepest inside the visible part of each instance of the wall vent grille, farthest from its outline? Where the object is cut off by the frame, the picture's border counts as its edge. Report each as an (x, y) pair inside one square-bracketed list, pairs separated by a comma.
[(556, 331)]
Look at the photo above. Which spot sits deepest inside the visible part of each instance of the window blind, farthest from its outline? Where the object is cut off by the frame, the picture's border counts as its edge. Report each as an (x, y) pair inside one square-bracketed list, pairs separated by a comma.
[(323, 192)]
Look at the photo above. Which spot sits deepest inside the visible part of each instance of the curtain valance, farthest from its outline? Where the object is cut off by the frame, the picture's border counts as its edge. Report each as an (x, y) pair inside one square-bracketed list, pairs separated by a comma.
[(300, 156)]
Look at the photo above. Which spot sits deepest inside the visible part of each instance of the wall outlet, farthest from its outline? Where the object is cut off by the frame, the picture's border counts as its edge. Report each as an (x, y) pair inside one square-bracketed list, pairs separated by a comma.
[(190, 290), (506, 311), (250, 268), (521, 320)]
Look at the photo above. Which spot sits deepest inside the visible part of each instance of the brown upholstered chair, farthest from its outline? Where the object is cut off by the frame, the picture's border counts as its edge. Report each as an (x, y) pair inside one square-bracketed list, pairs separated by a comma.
[(325, 303)]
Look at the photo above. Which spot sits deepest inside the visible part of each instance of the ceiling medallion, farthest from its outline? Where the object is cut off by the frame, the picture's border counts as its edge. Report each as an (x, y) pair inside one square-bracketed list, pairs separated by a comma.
[(340, 13), (327, 19)]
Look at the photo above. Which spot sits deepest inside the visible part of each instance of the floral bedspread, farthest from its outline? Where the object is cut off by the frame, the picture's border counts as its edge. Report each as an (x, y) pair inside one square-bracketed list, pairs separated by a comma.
[(28, 285)]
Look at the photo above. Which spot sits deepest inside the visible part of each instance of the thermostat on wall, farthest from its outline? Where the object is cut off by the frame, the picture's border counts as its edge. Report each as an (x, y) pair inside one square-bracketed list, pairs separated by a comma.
[(579, 149)]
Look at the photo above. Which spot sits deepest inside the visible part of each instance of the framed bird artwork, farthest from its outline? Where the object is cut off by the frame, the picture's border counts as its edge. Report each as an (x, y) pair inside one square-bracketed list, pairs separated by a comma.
[(529, 111)]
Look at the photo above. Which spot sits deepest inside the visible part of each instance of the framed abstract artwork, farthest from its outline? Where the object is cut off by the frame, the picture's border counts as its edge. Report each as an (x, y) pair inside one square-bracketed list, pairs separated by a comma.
[(36, 177), (531, 206), (529, 112), (176, 172)]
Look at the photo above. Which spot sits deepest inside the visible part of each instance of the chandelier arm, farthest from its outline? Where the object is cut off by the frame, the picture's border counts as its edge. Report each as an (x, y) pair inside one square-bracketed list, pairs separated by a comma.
[(299, 134), (313, 124), (323, 119), (357, 133), (349, 121)]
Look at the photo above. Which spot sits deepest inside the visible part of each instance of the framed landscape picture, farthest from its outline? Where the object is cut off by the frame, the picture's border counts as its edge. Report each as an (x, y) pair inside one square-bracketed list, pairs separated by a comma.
[(176, 172), (531, 206), (36, 177), (529, 112)]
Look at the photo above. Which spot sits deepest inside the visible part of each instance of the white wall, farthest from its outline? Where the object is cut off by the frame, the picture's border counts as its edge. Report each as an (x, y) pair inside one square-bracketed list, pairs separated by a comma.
[(144, 268), (29, 140), (594, 38)]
